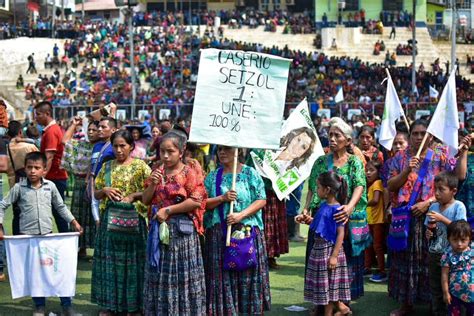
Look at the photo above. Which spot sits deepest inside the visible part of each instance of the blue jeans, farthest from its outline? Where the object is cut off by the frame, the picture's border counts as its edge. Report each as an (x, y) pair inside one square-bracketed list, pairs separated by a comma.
[(2, 245), (63, 226), (41, 301)]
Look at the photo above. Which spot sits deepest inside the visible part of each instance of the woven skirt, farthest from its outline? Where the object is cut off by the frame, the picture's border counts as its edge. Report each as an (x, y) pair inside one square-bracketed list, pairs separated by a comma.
[(118, 268), (408, 280), (321, 284), (81, 209), (178, 286), (276, 228), (235, 293)]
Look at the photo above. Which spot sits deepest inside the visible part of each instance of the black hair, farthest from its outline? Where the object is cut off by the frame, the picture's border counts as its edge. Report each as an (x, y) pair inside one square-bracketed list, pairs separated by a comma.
[(297, 162), (460, 229), (36, 156), (418, 122), (44, 106), (96, 123), (401, 127), (377, 164), (368, 129), (447, 178), (178, 138), (336, 184), (112, 122), (14, 128), (32, 131), (126, 135)]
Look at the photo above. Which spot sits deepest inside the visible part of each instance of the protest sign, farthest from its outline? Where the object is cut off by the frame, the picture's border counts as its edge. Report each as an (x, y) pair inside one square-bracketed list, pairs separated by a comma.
[(121, 115), (239, 99), (165, 114), (289, 166), (421, 113), (352, 112), (42, 266), (324, 113)]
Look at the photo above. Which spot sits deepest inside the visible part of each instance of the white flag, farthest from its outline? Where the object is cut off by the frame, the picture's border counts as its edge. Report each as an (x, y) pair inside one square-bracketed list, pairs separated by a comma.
[(392, 112), (433, 93), (339, 96), (445, 122), (42, 266)]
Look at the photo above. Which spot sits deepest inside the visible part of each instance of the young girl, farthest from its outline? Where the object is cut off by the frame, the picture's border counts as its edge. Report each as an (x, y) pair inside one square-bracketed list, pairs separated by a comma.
[(366, 144), (375, 217), (327, 281), (457, 269)]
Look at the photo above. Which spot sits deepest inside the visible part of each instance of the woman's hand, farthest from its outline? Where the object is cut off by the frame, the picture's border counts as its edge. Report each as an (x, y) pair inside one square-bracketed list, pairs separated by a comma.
[(428, 234), (332, 263), (465, 144), (344, 213), (113, 194), (414, 163), (161, 215), (229, 196), (303, 219), (234, 218), (420, 208), (128, 199), (447, 298), (156, 176)]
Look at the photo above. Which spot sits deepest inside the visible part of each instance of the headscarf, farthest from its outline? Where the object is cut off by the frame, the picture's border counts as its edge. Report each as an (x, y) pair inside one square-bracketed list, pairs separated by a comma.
[(339, 123)]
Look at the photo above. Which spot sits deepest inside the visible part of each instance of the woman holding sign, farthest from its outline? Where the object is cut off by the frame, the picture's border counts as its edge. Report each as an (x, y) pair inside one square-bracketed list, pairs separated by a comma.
[(409, 281), (231, 289), (341, 160)]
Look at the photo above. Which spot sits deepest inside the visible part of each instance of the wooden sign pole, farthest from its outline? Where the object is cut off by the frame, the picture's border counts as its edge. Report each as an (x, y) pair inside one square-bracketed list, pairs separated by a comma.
[(231, 209)]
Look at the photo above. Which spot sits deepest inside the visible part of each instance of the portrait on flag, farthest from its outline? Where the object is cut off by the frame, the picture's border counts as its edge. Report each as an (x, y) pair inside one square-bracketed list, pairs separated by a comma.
[(299, 148), (239, 95)]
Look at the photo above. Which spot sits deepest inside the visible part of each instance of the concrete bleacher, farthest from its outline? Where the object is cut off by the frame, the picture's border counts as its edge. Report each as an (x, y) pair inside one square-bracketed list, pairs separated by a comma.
[(14, 53)]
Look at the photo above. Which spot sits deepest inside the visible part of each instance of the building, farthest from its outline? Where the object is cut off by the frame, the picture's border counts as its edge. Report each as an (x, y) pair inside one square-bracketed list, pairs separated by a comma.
[(98, 10), (373, 9)]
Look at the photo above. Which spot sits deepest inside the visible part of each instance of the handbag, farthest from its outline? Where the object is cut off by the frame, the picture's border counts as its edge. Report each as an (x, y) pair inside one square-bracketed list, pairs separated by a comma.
[(121, 217), (241, 254), (401, 216)]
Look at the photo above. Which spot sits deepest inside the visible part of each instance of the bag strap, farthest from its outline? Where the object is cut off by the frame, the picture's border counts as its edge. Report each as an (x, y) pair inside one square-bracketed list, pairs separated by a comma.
[(219, 175), (11, 157), (421, 175), (330, 162), (101, 152)]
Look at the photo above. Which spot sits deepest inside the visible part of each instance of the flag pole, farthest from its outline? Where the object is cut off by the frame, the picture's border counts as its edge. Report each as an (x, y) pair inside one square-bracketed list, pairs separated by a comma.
[(403, 113), (231, 209), (422, 145)]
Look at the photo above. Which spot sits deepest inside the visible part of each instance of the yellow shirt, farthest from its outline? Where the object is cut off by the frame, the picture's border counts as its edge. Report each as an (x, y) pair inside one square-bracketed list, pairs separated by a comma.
[(375, 213)]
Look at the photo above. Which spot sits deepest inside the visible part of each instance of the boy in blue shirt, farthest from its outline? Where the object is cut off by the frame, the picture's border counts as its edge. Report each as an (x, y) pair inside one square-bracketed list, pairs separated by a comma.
[(440, 214)]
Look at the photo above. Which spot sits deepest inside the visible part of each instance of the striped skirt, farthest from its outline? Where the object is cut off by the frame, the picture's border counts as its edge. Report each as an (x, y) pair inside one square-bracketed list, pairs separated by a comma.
[(321, 284), (117, 269), (178, 286), (81, 209), (408, 280), (276, 228), (232, 293)]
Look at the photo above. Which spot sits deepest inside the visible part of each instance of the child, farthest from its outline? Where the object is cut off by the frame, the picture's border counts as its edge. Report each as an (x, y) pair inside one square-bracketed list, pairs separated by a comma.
[(375, 217), (35, 197), (440, 215), (457, 267), (327, 280)]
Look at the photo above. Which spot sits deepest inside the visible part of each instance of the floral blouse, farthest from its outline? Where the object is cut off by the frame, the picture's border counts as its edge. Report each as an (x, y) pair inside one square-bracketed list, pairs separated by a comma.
[(188, 183), (400, 161), (466, 191), (354, 175), (461, 273), (126, 178)]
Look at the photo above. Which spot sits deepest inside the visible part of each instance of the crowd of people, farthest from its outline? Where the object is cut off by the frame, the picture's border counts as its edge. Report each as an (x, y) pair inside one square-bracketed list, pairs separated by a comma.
[(178, 194), (96, 70)]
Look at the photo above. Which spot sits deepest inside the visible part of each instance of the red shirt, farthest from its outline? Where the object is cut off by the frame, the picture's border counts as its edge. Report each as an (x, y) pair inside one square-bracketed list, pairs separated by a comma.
[(52, 141)]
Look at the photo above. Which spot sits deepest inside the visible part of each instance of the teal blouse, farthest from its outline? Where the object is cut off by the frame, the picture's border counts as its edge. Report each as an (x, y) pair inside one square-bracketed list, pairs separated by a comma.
[(249, 187)]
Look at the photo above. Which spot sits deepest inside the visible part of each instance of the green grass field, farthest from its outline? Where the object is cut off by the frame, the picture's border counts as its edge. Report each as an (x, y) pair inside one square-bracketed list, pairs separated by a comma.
[(286, 290)]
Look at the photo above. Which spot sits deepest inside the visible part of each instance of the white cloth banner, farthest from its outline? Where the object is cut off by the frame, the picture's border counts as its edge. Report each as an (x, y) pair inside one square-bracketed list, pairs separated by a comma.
[(240, 97), (289, 166), (433, 92), (42, 266)]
